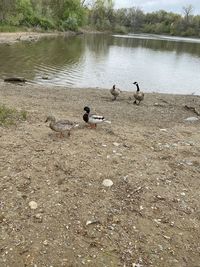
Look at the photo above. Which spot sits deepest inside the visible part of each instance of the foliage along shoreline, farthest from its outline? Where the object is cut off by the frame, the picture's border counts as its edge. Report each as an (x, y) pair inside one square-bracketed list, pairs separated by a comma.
[(100, 15)]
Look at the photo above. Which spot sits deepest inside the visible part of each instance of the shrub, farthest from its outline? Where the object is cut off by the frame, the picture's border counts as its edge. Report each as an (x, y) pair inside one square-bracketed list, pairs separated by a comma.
[(70, 24), (120, 29)]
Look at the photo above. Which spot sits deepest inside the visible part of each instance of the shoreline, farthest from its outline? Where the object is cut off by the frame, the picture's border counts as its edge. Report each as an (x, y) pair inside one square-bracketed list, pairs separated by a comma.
[(13, 37)]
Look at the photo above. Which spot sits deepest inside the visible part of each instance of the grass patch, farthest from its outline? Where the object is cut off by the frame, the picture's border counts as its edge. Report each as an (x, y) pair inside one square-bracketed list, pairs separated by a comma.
[(10, 116), (8, 28)]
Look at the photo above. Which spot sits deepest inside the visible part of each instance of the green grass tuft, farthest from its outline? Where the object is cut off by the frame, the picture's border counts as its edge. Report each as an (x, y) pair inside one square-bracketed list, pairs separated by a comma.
[(10, 116)]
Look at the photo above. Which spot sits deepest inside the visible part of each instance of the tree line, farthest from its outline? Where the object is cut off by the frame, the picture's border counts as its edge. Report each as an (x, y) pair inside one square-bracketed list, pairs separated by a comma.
[(97, 14)]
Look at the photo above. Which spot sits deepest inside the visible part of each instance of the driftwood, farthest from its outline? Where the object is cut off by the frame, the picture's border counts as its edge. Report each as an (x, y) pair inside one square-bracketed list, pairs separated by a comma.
[(15, 80), (193, 109)]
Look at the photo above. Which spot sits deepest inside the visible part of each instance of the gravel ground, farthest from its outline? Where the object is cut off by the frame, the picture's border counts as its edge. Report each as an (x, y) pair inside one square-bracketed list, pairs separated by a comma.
[(54, 208)]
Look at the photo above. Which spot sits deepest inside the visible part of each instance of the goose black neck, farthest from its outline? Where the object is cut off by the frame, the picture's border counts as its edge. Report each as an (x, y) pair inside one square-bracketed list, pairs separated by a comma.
[(138, 88)]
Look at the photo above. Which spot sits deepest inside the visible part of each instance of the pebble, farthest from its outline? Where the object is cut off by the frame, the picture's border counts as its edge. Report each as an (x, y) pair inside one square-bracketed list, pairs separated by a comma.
[(167, 237), (116, 144), (91, 222), (38, 217), (192, 119), (107, 182), (45, 242), (33, 205)]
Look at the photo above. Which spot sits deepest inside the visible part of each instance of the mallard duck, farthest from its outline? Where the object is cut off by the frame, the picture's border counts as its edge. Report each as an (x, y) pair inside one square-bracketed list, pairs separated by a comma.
[(61, 126), (115, 92), (139, 96), (92, 119)]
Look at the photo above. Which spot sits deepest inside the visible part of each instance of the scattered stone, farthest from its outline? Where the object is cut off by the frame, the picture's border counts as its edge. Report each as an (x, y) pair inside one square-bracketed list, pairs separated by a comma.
[(137, 265), (45, 77), (33, 205), (167, 237), (38, 217), (116, 144), (191, 119), (45, 242), (160, 197), (92, 222), (158, 221), (2, 217), (107, 182)]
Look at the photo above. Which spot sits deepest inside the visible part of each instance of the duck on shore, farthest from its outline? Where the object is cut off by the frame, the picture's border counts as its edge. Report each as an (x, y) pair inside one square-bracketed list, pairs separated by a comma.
[(92, 119), (138, 95), (62, 126), (115, 92)]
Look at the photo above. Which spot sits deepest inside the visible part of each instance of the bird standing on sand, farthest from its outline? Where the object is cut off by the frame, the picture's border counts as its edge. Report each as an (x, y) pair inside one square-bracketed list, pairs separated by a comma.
[(92, 119), (139, 96), (115, 92), (62, 126)]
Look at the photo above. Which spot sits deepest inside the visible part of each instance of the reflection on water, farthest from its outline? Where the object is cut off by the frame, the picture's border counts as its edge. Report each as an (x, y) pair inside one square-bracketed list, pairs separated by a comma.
[(159, 64)]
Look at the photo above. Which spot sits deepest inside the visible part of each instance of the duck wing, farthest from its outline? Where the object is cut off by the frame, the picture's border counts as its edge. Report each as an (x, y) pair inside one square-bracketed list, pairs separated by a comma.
[(96, 119), (64, 125)]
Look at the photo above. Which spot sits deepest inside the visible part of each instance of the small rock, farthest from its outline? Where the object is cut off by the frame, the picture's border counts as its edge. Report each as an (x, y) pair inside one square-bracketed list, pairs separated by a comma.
[(192, 119), (33, 205), (167, 237), (92, 222), (45, 242), (116, 144), (158, 221), (2, 217), (45, 77), (38, 217), (107, 182)]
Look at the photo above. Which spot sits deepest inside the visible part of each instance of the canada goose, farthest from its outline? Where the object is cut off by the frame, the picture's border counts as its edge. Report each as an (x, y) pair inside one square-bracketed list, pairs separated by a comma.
[(139, 96), (115, 92)]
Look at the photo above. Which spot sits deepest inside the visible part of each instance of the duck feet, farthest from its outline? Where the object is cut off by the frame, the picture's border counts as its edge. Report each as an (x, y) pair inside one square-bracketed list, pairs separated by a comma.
[(92, 126)]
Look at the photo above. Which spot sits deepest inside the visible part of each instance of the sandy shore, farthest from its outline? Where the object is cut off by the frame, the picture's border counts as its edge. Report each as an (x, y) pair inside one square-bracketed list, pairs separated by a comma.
[(13, 37), (150, 215)]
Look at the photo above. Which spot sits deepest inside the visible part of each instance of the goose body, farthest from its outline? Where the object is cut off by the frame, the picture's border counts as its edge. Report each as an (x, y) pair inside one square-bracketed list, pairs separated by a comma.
[(61, 126), (138, 95), (115, 92), (92, 119)]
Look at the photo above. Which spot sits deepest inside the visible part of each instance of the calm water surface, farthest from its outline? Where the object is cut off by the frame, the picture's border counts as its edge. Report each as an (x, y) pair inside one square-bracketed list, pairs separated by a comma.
[(158, 63)]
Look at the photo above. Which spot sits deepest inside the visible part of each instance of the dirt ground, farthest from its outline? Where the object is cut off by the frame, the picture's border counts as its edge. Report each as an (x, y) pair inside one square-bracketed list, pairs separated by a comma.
[(149, 217)]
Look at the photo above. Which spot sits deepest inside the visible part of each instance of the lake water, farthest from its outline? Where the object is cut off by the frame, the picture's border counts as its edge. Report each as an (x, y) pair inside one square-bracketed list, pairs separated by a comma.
[(157, 63)]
